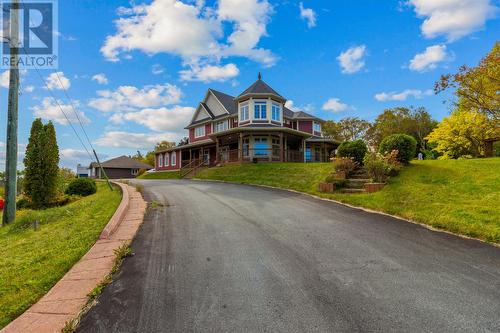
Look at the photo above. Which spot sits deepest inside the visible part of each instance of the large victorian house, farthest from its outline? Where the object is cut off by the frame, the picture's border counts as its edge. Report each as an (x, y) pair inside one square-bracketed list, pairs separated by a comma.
[(255, 126)]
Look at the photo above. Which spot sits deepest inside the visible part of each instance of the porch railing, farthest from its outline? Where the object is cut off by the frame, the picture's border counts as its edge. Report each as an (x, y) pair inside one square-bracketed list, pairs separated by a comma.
[(194, 165), (260, 155)]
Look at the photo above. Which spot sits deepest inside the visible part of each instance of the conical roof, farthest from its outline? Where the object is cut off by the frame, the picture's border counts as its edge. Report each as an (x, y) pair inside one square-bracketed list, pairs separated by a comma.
[(259, 87)]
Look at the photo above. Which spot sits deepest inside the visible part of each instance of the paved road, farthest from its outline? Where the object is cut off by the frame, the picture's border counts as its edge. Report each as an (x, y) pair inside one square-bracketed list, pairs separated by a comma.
[(233, 258)]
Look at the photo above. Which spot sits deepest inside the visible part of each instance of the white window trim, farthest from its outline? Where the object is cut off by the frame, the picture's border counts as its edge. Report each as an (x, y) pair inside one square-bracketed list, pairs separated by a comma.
[(314, 126), (160, 160), (280, 115), (261, 102), (226, 122), (166, 160), (134, 172), (195, 132), (173, 158)]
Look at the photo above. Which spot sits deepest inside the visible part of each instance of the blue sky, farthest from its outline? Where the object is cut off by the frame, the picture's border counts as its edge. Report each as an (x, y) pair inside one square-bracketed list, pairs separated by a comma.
[(137, 82)]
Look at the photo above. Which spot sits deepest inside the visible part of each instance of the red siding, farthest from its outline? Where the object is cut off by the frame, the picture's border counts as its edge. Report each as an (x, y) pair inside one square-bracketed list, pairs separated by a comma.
[(169, 167), (208, 131), (306, 126)]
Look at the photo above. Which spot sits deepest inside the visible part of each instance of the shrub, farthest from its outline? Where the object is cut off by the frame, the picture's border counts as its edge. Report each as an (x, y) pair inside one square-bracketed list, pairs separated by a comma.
[(82, 186), (406, 146), (345, 164), (377, 167), (354, 149)]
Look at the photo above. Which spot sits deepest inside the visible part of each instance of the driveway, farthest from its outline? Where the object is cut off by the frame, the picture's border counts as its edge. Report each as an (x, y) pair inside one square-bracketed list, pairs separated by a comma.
[(213, 257)]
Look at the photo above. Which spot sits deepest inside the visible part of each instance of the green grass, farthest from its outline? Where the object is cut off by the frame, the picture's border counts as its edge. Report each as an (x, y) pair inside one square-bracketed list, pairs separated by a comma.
[(161, 175), (33, 261), (460, 196)]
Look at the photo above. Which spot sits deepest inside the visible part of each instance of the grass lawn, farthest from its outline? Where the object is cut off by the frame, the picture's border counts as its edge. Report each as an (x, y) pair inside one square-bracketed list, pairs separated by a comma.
[(33, 261), (460, 196), (161, 175)]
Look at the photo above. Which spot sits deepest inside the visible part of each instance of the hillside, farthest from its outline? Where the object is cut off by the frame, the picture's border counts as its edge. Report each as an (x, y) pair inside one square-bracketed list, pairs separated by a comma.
[(460, 196)]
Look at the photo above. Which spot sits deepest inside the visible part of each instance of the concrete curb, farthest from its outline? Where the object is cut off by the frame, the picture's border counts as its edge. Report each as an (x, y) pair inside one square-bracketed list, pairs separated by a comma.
[(368, 210), (68, 297)]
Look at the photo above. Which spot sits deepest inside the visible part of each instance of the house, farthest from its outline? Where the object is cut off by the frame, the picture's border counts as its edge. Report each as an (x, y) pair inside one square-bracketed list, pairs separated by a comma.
[(82, 171), (254, 126), (120, 167)]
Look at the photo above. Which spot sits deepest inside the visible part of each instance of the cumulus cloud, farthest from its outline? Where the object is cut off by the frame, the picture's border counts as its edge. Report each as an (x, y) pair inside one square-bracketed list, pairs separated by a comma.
[(430, 58), (118, 139), (193, 31), (402, 96), (209, 73), (49, 110), (352, 60), (162, 119), (335, 105), (157, 69), (130, 98), (57, 81), (453, 18), (29, 89), (100, 78), (308, 14)]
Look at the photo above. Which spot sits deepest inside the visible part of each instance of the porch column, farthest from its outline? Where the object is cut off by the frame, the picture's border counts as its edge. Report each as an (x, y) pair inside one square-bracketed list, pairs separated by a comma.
[(282, 149), (216, 150), (190, 156), (240, 147), (304, 150)]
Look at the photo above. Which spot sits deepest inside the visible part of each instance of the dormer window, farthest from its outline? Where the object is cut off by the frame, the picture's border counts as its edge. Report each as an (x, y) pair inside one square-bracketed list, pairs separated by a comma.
[(244, 114), (276, 112), (260, 110)]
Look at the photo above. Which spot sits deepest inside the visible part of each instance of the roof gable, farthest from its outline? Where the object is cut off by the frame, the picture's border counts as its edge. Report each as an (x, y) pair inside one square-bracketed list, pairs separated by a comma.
[(259, 87)]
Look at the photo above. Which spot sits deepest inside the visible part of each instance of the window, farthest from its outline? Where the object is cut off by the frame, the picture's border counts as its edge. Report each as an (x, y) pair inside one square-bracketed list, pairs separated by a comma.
[(246, 147), (221, 126), (276, 112), (317, 127), (167, 159), (260, 110), (261, 146), (134, 172), (174, 158), (160, 160), (244, 112), (199, 131)]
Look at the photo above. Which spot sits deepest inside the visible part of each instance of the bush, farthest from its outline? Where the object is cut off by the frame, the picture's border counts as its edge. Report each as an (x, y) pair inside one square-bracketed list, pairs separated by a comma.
[(82, 186), (381, 167), (345, 164), (406, 146), (353, 149)]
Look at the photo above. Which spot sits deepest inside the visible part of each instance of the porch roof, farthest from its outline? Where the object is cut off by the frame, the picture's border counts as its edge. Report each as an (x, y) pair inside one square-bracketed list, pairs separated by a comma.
[(265, 129), (320, 139), (189, 145)]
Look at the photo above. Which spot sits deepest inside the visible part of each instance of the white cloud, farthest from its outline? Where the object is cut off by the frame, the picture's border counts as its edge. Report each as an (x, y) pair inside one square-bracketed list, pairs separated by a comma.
[(100, 78), (4, 79), (29, 89), (453, 18), (193, 31), (118, 139), (49, 110), (429, 59), (73, 154), (335, 105), (291, 105), (163, 119), (157, 69), (210, 73), (351, 60), (57, 81), (308, 14), (130, 98), (402, 96)]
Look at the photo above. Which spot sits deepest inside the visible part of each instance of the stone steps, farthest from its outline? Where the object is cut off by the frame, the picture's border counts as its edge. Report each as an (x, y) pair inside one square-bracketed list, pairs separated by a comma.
[(352, 190), (357, 183)]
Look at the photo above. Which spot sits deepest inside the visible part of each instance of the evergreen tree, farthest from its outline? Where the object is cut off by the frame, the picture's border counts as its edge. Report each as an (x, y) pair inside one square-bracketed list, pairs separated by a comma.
[(32, 162), (41, 164)]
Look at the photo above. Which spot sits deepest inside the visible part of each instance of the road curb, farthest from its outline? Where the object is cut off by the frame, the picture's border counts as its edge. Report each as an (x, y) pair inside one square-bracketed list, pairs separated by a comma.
[(65, 301), (367, 210)]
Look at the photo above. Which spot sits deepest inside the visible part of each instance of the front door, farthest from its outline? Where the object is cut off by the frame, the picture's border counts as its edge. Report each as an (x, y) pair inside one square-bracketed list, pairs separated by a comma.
[(224, 154), (206, 156)]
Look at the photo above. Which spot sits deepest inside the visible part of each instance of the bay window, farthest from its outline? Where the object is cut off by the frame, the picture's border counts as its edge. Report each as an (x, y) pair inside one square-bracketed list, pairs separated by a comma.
[(276, 112), (260, 110), (244, 114)]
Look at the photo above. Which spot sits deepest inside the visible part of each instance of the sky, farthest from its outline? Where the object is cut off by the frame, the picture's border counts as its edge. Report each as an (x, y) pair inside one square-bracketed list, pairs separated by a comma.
[(135, 71)]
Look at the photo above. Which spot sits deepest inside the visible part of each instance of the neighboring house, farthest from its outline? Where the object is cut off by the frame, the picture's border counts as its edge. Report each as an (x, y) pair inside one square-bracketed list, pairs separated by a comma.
[(81, 171), (252, 127), (120, 167)]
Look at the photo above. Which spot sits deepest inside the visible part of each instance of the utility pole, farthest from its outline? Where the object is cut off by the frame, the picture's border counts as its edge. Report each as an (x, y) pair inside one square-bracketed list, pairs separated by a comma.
[(102, 170), (9, 213)]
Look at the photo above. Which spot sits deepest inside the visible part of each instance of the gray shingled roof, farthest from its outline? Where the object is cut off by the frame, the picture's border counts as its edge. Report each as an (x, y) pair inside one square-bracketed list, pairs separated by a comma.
[(122, 162), (227, 101), (260, 87)]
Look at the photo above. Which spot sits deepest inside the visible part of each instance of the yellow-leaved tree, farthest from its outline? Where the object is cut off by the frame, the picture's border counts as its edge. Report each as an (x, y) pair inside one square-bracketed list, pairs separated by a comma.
[(463, 134)]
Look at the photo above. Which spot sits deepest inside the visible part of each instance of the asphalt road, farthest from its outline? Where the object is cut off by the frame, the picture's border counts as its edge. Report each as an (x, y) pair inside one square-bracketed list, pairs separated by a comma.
[(233, 258)]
